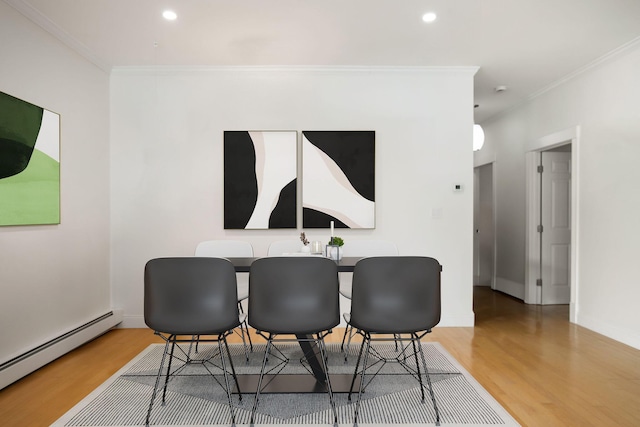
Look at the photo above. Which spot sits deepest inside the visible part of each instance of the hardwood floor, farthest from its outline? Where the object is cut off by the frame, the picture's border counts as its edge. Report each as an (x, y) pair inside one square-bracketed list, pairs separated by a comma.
[(542, 369)]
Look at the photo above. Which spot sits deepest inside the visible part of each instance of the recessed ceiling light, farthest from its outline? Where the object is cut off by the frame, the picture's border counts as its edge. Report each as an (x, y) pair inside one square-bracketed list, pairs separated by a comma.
[(169, 15), (429, 17)]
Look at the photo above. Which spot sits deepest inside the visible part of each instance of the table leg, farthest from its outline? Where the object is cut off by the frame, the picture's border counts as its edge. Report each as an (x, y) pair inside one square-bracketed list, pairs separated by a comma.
[(312, 354)]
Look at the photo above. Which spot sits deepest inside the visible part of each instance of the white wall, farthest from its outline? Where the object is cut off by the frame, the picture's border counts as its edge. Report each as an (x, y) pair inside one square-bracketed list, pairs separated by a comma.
[(54, 278), (603, 102), (167, 178)]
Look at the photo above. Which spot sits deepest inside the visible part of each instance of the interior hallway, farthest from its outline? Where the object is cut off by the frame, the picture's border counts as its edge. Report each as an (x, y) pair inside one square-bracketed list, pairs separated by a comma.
[(542, 369)]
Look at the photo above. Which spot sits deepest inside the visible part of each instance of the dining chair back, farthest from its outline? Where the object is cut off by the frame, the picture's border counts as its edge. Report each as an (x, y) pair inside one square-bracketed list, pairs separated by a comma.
[(294, 295), (398, 296), (184, 299), (395, 295)]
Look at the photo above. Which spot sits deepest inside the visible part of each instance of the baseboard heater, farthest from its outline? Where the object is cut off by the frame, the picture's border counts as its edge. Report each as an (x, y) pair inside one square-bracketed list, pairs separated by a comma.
[(24, 364)]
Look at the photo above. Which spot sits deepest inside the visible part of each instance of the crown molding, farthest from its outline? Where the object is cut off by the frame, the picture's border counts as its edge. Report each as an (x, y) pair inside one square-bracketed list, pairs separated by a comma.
[(52, 28), (598, 62), (167, 70)]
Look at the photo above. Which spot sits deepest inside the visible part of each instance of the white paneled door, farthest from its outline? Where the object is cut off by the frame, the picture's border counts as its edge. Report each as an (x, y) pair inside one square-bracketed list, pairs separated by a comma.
[(556, 227)]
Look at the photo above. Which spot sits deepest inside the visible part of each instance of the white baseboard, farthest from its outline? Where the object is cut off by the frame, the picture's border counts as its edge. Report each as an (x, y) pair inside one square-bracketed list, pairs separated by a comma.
[(624, 335), (132, 322), (509, 287), (459, 320), (21, 366)]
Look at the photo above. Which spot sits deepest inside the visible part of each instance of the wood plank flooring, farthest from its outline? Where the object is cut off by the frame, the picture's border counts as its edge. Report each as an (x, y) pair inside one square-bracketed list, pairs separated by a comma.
[(544, 370)]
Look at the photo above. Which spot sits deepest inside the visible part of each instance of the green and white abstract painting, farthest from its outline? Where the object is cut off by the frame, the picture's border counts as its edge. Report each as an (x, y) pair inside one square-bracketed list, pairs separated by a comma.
[(29, 163)]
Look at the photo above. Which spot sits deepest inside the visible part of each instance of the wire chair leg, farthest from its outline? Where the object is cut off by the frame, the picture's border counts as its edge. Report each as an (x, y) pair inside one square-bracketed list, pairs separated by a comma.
[(426, 372), (233, 369), (415, 354), (244, 343), (244, 328), (323, 357), (264, 364), (155, 388), (344, 336), (194, 338), (397, 338), (246, 331), (352, 333), (355, 372), (166, 379), (362, 379), (226, 379)]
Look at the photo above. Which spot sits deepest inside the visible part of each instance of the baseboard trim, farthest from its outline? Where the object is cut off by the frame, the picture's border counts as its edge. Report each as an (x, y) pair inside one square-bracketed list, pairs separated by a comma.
[(24, 364), (509, 287), (623, 335), (132, 322)]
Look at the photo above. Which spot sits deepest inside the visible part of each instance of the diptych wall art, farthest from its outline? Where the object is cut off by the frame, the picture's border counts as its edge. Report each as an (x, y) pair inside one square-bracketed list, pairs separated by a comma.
[(260, 179), (338, 179), (29, 163)]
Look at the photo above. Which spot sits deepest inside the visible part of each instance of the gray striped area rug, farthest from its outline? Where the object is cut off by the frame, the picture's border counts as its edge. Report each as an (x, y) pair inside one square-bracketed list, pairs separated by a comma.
[(194, 398)]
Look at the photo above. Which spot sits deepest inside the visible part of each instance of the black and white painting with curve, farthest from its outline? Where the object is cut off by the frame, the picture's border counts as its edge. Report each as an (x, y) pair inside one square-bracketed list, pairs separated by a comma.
[(260, 179), (338, 179)]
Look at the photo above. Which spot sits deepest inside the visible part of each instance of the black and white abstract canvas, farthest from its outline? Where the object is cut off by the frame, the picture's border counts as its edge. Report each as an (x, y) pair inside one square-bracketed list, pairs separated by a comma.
[(260, 179), (338, 179)]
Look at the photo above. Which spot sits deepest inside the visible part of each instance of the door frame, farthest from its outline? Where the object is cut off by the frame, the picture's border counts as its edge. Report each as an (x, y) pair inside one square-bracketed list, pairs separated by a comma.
[(532, 214)]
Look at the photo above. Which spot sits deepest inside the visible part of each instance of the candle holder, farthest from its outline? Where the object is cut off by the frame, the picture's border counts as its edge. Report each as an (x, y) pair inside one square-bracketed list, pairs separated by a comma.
[(316, 247), (333, 252), (333, 248)]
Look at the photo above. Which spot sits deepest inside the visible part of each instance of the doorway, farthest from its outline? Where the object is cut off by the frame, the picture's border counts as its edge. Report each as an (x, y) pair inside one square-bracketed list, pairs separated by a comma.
[(555, 226), (551, 220), (483, 226)]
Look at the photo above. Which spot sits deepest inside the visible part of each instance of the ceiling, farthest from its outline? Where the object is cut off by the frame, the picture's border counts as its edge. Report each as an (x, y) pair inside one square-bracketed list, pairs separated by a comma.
[(525, 45)]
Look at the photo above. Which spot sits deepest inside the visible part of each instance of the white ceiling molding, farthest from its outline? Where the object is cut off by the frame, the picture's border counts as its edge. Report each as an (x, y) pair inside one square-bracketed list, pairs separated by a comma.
[(604, 59), (46, 24)]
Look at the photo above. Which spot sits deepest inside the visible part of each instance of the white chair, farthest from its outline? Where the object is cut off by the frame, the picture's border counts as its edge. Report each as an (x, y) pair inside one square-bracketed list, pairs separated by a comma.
[(280, 247), (232, 249), (360, 248)]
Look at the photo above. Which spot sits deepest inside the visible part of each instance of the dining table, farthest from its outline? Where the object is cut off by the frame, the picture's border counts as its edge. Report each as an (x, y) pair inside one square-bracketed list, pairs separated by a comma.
[(294, 383), (243, 264)]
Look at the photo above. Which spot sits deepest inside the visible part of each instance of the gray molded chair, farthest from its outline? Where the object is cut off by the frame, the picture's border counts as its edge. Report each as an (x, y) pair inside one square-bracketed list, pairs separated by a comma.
[(360, 248), (232, 249), (395, 296), (187, 298), (294, 295)]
